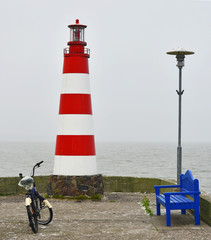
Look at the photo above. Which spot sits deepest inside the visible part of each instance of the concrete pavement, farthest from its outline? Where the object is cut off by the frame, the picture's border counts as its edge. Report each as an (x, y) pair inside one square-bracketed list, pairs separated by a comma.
[(117, 216)]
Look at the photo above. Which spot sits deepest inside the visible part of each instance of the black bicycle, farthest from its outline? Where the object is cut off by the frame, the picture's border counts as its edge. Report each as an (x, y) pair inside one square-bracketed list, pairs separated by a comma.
[(39, 210)]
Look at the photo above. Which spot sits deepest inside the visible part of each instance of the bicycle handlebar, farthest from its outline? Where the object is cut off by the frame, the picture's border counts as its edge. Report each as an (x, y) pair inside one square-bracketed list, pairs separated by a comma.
[(36, 165)]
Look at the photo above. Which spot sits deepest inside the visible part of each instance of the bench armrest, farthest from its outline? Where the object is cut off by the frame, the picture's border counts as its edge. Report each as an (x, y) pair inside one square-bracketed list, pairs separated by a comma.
[(157, 188), (182, 193)]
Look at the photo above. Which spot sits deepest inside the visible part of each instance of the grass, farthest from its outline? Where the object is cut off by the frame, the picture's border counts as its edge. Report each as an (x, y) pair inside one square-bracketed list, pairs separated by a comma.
[(81, 197), (145, 204), (58, 196), (46, 195), (96, 197)]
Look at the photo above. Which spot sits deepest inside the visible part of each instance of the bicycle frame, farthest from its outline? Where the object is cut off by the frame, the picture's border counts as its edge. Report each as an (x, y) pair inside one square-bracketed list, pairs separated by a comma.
[(35, 203), (32, 197)]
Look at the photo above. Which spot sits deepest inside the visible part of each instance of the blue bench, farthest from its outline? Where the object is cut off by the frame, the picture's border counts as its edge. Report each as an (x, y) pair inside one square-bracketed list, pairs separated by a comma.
[(178, 200)]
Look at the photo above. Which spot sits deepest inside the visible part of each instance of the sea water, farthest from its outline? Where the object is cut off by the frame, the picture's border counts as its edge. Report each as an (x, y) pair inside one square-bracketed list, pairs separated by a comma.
[(151, 160)]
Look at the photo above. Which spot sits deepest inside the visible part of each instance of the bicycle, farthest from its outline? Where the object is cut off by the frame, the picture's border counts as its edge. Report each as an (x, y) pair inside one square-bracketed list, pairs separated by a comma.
[(39, 210)]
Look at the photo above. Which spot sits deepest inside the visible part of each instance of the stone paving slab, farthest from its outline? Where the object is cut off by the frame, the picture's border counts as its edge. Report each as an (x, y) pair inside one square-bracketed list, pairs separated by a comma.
[(116, 216)]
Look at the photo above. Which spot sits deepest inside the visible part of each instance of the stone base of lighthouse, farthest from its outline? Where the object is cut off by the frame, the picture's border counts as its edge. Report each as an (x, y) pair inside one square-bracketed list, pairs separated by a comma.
[(76, 185)]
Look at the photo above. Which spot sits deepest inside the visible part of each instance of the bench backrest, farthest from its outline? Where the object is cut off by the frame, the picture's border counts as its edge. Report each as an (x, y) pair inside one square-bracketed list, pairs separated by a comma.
[(188, 183)]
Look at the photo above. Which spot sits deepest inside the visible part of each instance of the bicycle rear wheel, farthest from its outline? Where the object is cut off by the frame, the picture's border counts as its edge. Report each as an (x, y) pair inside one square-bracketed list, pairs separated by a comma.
[(45, 214), (32, 219)]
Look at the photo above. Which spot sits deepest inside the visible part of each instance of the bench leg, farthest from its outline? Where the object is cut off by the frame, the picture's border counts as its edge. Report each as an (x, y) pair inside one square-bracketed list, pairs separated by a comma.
[(158, 207), (183, 211), (168, 217), (197, 216)]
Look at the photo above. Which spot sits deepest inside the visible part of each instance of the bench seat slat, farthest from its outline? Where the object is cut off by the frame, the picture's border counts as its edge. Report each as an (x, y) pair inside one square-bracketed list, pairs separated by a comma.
[(179, 199), (176, 202), (161, 199)]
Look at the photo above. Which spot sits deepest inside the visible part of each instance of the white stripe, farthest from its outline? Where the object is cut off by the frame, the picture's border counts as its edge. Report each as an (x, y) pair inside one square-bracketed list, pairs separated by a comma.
[(75, 165), (75, 124), (75, 83)]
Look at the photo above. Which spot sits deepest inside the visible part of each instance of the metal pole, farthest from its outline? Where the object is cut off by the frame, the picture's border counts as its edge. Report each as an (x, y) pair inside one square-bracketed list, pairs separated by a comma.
[(180, 65), (180, 55), (179, 147)]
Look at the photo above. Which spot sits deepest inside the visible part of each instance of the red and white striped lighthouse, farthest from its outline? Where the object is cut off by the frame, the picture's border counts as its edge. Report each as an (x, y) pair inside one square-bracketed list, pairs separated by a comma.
[(75, 167), (75, 145)]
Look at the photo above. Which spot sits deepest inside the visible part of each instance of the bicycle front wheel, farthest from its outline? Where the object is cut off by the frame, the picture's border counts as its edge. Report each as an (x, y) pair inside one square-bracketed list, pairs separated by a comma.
[(32, 220), (45, 214)]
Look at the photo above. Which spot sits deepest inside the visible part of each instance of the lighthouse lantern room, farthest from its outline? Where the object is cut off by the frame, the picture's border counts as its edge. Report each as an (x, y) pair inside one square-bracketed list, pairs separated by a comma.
[(77, 32)]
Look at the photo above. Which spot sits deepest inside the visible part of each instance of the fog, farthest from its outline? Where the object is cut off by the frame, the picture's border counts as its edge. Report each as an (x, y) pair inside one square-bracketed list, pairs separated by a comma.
[(133, 80)]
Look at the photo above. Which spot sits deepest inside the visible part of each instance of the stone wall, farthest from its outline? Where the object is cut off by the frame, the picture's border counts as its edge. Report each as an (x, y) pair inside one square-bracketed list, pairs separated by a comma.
[(9, 185), (133, 184), (76, 185), (205, 208)]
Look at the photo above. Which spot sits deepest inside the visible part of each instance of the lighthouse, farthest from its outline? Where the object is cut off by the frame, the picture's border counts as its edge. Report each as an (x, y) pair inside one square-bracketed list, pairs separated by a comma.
[(75, 167)]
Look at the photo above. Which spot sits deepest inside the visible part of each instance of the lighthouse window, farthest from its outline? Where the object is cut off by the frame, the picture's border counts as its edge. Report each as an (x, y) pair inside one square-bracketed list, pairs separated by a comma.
[(77, 34)]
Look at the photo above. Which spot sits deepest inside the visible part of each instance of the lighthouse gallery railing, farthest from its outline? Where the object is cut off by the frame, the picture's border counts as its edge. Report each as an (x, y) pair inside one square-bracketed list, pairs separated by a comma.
[(86, 51)]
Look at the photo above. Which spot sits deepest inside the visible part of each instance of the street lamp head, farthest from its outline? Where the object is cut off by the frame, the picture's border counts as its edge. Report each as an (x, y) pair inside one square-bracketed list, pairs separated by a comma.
[(180, 51), (180, 55)]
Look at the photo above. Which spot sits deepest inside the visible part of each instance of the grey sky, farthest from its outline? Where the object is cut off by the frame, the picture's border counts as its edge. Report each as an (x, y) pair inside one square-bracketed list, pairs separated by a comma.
[(133, 81)]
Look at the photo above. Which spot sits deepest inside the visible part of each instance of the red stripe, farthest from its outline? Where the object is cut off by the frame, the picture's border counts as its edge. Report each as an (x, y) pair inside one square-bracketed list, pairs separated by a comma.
[(73, 145), (75, 104), (75, 64)]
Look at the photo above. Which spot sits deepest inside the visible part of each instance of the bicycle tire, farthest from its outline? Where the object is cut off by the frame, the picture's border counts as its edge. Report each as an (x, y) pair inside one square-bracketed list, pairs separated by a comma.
[(33, 223), (45, 215)]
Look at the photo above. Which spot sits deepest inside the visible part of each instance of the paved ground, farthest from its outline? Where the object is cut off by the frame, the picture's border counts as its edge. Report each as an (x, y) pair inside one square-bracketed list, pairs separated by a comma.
[(117, 216)]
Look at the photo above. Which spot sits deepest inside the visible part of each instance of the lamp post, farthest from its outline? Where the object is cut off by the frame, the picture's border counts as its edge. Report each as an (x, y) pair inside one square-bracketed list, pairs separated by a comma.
[(180, 56)]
